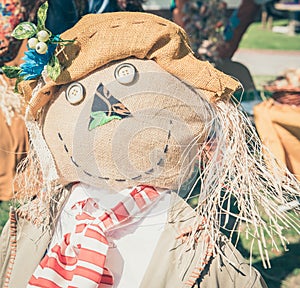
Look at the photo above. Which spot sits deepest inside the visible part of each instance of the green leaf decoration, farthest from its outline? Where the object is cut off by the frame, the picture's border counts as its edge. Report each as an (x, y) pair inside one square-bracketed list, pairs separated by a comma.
[(61, 41), (53, 68), (20, 79), (42, 16), (100, 119), (98, 114), (95, 123), (11, 71), (24, 30)]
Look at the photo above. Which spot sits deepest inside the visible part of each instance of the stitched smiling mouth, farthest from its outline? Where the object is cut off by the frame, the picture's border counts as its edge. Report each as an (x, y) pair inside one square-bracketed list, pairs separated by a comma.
[(160, 162)]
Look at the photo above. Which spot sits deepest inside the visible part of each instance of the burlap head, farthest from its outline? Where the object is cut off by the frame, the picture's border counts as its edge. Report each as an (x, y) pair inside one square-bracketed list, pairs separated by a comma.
[(103, 38), (156, 145)]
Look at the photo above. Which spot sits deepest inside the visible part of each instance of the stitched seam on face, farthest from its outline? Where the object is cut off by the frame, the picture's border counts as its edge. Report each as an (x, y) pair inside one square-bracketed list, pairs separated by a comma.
[(148, 172)]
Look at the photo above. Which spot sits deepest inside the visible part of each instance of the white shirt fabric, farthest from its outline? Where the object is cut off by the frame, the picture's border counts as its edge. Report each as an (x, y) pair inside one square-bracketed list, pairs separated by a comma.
[(132, 244)]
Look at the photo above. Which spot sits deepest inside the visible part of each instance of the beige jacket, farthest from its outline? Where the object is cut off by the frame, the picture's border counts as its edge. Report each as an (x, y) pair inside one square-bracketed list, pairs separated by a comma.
[(172, 264)]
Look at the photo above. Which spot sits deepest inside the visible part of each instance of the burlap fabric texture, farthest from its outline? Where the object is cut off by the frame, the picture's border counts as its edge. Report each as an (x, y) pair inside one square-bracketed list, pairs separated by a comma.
[(103, 38)]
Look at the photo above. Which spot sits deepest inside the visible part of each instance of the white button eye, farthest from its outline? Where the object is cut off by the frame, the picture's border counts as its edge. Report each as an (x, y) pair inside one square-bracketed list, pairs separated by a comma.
[(75, 93), (125, 73)]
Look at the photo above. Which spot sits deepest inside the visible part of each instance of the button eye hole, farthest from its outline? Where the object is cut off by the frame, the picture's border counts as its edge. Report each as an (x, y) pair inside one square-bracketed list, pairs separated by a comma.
[(125, 73), (75, 93)]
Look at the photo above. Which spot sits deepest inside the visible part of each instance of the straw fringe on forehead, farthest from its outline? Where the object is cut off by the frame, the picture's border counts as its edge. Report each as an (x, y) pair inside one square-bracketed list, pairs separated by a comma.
[(103, 38)]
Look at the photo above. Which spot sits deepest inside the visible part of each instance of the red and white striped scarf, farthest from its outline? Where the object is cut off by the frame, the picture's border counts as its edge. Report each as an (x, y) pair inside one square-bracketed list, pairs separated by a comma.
[(79, 261)]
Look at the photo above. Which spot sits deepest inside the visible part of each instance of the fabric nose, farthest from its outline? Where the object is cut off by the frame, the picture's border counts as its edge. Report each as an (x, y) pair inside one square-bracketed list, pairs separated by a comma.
[(106, 108)]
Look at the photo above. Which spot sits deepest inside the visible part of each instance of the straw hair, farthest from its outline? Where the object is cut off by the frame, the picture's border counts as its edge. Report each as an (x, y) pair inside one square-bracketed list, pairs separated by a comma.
[(103, 38)]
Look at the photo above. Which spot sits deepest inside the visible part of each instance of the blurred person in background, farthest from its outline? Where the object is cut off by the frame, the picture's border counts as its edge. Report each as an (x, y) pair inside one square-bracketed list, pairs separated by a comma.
[(63, 14), (213, 35)]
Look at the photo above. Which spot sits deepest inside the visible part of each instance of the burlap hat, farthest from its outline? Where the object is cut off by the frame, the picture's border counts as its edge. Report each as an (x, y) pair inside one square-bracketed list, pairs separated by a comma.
[(101, 39)]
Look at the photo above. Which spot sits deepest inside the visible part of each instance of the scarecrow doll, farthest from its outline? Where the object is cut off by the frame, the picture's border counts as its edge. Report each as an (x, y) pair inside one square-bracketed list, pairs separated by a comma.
[(126, 126)]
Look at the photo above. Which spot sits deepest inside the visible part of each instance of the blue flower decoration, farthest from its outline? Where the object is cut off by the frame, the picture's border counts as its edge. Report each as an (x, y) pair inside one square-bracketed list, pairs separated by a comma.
[(34, 62)]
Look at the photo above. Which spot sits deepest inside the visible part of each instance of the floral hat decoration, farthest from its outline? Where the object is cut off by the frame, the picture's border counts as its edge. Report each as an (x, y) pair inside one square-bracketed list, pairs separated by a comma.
[(41, 47)]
